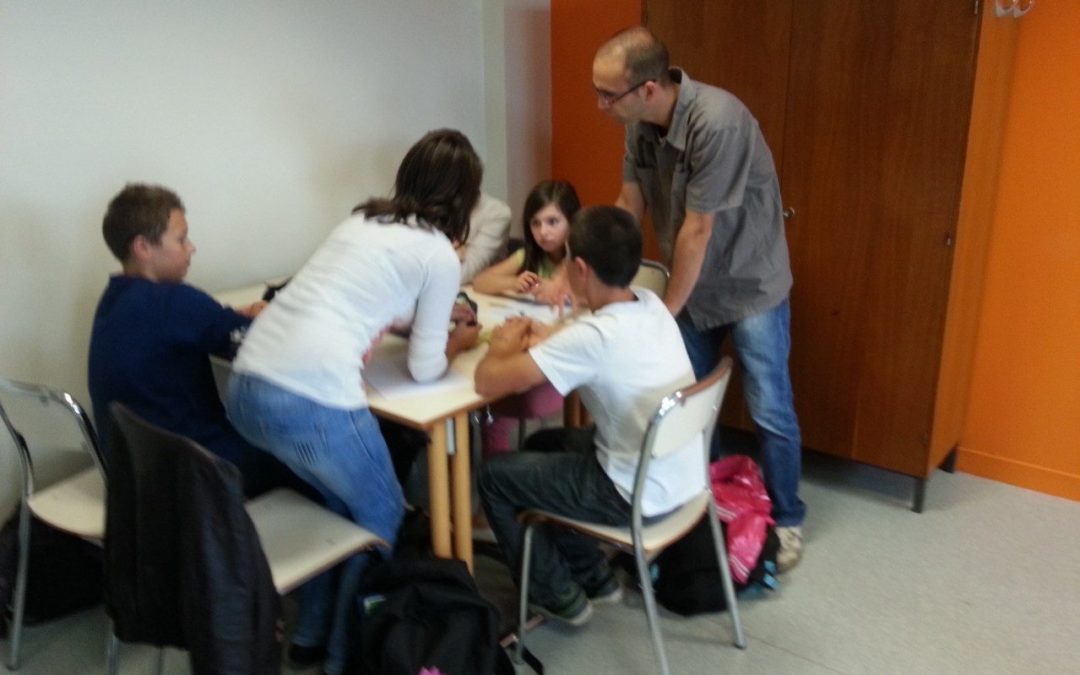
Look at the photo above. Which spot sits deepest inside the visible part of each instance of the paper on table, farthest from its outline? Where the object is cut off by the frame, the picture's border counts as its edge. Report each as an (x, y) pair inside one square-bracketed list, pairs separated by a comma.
[(388, 373), (495, 312)]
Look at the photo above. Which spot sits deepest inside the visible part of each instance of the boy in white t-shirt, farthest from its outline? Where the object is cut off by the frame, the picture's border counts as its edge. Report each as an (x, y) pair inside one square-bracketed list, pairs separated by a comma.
[(623, 359)]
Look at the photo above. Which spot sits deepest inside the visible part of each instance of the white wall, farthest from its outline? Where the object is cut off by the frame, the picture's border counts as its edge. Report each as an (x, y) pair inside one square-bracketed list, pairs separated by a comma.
[(271, 119), (527, 30)]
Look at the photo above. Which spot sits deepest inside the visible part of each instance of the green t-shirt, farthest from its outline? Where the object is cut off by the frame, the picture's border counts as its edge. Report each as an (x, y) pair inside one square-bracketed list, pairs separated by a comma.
[(547, 265)]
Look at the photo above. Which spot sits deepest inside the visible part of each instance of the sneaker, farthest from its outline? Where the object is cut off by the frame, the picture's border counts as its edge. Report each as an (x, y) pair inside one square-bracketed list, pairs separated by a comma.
[(302, 658), (790, 548), (576, 612), (608, 592)]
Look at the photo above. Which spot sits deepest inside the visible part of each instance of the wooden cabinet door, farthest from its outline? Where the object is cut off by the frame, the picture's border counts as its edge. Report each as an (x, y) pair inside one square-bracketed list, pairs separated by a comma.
[(877, 112), (734, 44)]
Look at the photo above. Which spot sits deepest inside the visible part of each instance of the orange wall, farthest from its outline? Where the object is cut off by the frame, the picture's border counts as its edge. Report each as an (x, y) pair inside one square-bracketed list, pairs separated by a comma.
[(1023, 421), (586, 145)]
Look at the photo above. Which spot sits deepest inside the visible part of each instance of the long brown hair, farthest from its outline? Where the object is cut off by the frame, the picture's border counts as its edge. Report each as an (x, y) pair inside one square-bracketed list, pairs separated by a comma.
[(438, 183), (558, 192)]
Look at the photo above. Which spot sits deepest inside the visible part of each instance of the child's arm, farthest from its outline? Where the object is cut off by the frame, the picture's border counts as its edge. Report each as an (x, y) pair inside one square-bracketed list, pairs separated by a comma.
[(556, 290), (504, 277), (251, 311), (507, 367)]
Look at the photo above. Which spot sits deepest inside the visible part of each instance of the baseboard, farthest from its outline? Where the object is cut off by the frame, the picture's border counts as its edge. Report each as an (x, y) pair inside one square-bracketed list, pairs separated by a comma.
[(1018, 473)]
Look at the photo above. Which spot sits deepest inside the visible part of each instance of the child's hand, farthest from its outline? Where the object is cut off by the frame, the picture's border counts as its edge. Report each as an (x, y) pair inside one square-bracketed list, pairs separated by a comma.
[(462, 338), (527, 282), (538, 332), (554, 293), (511, 337), (251, 311)]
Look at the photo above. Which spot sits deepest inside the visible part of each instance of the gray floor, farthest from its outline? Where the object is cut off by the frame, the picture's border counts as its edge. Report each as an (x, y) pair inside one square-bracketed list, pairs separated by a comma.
[(986, 580)]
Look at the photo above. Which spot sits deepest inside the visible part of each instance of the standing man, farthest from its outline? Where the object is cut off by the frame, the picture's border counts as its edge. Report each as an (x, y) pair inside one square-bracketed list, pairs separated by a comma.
[(696, 159)]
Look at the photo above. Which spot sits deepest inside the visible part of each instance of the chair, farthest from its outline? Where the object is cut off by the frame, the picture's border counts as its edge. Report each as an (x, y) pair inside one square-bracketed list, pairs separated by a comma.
[(653, 276), (75, 504), (273, 543), (681, 416)]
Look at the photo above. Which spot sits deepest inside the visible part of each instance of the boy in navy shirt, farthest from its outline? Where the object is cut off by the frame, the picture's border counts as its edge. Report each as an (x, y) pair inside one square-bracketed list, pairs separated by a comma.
[(153, 334)]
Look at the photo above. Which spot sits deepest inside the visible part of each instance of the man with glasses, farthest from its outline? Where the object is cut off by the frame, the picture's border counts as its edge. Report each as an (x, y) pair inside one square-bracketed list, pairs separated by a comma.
[(696, 158)]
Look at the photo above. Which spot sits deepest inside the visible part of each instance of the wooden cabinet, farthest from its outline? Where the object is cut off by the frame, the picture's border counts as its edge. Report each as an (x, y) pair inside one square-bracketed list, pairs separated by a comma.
[(883, 117)]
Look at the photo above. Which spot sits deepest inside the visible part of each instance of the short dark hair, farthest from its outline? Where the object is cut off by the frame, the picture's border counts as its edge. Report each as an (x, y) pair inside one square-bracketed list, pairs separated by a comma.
[(438, 182), (139, 209), (609, 240), (558, 192), (644, 55)]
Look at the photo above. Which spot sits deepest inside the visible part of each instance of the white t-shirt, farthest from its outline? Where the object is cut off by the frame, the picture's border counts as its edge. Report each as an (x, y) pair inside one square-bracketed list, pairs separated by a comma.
[(312, 338), (624, 359)]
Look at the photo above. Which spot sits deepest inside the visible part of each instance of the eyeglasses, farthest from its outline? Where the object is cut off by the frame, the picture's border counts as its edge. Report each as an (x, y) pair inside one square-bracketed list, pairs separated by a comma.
[(611, 98)]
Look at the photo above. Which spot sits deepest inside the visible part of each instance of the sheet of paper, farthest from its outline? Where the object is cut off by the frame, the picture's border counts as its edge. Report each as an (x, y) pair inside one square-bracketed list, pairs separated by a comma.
[(388, 373), (494, 312)]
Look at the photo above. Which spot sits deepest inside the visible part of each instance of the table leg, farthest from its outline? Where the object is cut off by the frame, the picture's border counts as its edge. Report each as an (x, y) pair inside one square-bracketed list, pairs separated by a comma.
[(461, 485), (439, 492), (574, 414)]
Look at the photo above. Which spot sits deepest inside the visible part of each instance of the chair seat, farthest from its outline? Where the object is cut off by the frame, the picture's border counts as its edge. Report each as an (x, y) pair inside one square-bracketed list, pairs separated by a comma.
[(299, 536), (655, 536), (75, 505)]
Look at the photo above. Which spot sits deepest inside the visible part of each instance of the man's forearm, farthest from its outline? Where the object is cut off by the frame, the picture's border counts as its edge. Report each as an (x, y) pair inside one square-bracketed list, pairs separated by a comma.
[(687, 258)]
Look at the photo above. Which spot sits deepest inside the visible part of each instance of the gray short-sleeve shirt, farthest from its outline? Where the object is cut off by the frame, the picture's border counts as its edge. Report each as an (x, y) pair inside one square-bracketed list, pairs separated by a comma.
[(714, 159)]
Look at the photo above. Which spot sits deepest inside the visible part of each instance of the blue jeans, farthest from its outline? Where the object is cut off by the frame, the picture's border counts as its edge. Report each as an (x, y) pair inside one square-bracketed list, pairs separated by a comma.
[(762, 343), (342, 455), (563, 478)]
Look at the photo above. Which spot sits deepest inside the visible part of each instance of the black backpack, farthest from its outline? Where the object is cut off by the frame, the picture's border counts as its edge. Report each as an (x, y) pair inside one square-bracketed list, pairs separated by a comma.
[(65, 573), (689, 578), (424, 613)]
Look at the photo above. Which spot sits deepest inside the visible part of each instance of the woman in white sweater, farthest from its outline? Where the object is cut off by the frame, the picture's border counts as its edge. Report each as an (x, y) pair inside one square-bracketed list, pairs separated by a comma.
[(297, 386)]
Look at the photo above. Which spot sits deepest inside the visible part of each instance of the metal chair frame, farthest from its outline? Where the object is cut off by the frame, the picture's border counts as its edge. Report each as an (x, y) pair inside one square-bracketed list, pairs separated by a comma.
[(678, 418), (66, 401), (653, 276)]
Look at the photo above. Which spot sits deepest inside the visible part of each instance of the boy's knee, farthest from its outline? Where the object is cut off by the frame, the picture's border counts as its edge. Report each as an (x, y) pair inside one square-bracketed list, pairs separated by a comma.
[(497, 471), (488, 475)]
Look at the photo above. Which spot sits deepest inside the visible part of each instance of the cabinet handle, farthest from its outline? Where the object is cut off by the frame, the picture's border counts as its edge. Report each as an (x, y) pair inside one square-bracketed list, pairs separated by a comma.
[(789, 213)]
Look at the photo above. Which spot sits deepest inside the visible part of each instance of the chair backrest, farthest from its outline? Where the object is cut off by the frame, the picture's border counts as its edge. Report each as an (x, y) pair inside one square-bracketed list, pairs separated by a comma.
[(651, 275), (15, 395), (176, 536), (680, 417), (688, 412)]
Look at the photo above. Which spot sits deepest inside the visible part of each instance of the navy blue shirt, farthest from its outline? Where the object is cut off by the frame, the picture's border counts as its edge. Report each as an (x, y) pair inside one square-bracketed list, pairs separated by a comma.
[(149, 349)]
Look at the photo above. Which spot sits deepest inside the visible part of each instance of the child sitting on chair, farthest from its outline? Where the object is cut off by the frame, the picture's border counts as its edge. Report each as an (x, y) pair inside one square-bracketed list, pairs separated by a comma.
[(152, 335), (624, 358), (536, 269)]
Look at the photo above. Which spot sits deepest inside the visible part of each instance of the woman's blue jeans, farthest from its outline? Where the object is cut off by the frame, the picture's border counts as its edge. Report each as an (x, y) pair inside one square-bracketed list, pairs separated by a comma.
[(762, 344), (342, 455)]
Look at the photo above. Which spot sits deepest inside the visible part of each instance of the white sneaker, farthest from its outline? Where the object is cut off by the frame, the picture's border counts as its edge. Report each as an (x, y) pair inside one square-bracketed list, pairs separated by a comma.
[(790, 548)]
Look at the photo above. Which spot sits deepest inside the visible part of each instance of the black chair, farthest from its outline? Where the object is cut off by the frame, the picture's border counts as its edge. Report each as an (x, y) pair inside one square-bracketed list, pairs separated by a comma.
[(189, 565)]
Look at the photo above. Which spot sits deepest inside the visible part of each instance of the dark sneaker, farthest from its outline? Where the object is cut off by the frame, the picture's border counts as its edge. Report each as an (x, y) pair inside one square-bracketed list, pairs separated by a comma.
[(608, 592), (576, 612), (301, 658)]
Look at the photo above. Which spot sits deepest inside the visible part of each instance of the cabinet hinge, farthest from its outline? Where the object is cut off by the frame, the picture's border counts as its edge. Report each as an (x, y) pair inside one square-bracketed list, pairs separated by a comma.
[(976, 7)]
